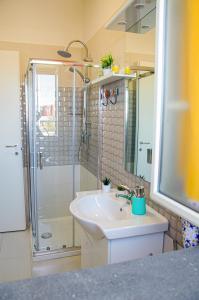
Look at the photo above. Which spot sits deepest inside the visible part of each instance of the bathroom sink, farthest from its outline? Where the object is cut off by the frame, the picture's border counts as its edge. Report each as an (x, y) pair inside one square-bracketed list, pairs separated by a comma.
[(103, 215)]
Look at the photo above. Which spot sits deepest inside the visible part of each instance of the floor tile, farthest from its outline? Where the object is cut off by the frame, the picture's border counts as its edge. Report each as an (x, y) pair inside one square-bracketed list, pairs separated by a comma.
[(16, 259), (61, 231), (12, 269), (47, 267), (16, 245)]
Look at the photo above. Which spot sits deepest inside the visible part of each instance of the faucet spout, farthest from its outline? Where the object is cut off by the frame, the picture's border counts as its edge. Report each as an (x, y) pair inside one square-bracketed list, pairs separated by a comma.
[(128, 196), (126, 188)]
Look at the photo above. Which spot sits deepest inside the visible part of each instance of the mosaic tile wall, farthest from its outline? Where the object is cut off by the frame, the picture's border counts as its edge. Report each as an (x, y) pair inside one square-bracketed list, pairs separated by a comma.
[(89, 150), (59, 150), (111, 142)]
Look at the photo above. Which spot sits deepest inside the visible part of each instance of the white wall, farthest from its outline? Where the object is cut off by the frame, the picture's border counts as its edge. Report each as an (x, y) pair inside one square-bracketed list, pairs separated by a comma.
[(12, 202), (88, 181), (54, 22), (55, 190), (41, 22), (141, 43), (97, 13)]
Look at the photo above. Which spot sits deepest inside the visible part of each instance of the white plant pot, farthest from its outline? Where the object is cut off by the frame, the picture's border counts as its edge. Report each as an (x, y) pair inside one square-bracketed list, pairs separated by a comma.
[(107, 71), (106, 188)]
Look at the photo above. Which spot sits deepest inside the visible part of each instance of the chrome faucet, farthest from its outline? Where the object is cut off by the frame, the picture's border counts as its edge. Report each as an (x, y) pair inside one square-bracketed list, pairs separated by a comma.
[(129, 191), (126, 188), (138, 192)]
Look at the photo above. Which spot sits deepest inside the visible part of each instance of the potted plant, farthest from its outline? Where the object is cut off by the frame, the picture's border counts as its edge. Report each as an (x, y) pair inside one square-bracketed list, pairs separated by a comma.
[(106, 184), (106, 64)]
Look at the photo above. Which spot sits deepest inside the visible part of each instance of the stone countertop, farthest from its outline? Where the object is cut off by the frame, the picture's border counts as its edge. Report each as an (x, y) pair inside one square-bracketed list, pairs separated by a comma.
[(173, 275)]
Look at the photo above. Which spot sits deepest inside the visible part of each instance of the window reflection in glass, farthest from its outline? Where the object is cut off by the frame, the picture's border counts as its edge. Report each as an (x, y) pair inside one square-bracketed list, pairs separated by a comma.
[(46, 93), (180, 143)]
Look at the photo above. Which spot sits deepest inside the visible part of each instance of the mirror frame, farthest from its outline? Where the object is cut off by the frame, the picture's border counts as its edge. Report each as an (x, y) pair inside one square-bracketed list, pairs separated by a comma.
[(156, 195)]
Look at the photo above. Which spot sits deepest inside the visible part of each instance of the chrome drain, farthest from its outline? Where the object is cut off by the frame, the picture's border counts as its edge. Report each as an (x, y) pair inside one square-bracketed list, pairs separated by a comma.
[(46, 235)]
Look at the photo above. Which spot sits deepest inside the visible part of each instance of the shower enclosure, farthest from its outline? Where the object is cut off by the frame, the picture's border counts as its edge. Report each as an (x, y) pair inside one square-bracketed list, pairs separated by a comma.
[(58, 133)]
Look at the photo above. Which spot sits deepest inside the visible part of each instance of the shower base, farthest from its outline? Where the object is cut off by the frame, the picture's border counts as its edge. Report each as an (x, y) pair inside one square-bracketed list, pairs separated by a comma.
[(57, 233)]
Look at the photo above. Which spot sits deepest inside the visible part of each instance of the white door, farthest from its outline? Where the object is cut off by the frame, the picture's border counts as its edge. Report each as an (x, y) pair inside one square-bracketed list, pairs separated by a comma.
[(145, 123), (12, 202)]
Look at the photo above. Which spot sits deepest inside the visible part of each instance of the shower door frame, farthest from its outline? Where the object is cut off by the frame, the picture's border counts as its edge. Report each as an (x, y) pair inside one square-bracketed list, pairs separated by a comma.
[(30, 115), (33, 156)]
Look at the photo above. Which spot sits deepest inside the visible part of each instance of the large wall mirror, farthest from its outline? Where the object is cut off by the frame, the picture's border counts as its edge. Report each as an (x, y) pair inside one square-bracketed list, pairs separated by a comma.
[(139, 115)]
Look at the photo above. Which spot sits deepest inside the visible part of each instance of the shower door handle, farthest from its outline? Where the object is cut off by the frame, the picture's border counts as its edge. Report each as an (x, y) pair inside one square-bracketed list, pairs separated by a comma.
[(149, 156), (11, 146), (40, 160)]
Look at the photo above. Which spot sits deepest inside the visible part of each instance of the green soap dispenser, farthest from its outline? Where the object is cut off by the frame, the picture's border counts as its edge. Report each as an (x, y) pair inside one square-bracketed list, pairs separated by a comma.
[(139, 201)]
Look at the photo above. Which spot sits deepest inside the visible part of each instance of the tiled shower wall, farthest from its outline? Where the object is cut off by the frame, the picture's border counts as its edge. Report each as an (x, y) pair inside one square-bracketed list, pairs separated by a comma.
[(23, 123), (55, 180), (59, 150), (89, 150), (111, 150)]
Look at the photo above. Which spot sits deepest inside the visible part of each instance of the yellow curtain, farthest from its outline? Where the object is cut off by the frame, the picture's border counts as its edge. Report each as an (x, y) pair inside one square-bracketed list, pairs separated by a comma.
[(191, 135)]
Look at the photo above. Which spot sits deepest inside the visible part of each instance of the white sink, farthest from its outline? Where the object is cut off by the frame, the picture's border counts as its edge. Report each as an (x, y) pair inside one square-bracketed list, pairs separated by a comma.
[(103, 215)]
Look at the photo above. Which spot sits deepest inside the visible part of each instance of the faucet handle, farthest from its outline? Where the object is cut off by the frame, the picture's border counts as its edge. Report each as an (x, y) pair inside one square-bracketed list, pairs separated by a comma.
[(122, 187), (137, 191)]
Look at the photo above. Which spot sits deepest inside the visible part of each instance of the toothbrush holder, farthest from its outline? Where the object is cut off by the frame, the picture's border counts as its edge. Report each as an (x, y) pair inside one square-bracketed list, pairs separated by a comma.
[(138, 206)]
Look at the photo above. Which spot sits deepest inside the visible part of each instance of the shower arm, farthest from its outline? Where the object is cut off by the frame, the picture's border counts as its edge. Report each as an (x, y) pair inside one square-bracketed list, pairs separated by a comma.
[(77, 41)]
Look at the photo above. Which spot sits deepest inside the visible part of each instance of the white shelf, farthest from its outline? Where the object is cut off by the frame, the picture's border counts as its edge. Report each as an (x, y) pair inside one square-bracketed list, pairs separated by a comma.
[(111, 78)]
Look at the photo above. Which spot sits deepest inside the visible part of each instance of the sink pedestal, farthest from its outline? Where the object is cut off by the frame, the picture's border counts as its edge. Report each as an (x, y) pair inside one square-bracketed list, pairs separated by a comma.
[(100, 252)]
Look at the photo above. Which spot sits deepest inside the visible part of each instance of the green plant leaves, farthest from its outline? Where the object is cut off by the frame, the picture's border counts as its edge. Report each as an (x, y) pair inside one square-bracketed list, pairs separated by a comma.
[(106, 61), (106, 181)]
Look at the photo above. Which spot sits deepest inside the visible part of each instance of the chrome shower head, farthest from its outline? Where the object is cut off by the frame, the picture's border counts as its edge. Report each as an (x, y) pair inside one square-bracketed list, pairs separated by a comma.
[(64, 53), (85, 79)]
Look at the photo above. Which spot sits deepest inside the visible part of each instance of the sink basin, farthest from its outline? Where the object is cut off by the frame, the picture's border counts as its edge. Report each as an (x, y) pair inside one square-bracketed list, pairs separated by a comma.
[(103, 215)]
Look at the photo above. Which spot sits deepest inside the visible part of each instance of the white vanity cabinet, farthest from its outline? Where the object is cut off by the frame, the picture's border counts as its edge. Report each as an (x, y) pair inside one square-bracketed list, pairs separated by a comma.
[(102, 252)]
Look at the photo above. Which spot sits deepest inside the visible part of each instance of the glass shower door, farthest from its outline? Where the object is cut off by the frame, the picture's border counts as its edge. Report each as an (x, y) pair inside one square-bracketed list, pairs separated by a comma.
[(56, 137)]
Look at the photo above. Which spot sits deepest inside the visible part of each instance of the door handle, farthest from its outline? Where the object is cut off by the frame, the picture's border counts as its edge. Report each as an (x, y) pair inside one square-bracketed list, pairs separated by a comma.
[(11, 146), (149, 156), (40, 162)]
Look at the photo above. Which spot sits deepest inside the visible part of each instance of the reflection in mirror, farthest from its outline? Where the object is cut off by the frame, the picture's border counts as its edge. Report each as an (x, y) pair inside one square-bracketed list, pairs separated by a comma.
[(139, 125), (130, 126), (137, 16)]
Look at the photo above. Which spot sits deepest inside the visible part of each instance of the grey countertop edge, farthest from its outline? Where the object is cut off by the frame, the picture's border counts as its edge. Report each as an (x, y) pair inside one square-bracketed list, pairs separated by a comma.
[(172, 275)]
